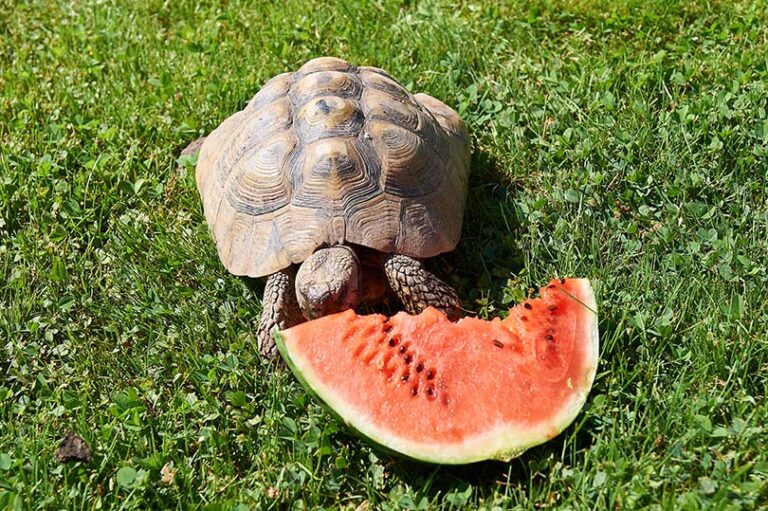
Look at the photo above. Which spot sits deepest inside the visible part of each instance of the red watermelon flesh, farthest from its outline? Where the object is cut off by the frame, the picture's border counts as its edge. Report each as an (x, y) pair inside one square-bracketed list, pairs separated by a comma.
[(458, 392)]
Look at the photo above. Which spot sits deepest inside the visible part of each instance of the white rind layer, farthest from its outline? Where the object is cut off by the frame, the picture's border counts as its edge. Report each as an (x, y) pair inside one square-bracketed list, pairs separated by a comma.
[(504, 442)]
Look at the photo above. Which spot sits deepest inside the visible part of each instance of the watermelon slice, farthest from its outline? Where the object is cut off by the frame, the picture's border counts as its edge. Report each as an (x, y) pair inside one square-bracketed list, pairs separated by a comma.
[(454, 393)]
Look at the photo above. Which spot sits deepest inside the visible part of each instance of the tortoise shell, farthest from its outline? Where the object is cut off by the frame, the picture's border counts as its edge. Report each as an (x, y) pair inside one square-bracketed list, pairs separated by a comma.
[(330, 154)]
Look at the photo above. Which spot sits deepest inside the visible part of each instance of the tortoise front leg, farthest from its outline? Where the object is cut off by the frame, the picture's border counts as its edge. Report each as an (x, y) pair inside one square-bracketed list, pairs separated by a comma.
[(279, 309), (418, 288)]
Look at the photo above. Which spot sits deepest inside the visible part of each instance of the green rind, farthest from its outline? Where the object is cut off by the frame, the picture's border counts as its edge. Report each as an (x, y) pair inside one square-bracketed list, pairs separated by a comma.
[(299, 376), (513, 447)]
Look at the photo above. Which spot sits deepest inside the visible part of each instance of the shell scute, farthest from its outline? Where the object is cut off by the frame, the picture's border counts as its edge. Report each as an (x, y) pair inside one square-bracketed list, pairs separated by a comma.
[(333, 153), (325, 64), (383, 106), (324, 83), (375, 223), (257, 183), (328, 116), (255, 127), (333, 175), (377, 79), (272, 90), (409, 166)]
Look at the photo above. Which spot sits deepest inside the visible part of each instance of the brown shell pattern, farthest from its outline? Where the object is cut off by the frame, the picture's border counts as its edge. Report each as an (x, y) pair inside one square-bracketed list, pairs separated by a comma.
[(333, 153)]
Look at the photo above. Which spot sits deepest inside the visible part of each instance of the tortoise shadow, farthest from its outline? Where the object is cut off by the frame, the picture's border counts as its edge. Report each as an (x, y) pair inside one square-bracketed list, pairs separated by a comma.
[(488, 252)]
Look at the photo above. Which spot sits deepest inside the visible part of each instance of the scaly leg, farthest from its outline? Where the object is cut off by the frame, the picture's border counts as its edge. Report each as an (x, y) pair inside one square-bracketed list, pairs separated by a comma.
[(418, 289), (279, 309)]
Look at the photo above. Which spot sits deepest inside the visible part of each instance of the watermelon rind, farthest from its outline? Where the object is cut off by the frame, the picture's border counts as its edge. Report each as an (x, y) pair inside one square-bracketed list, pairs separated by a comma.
[(279, 339), (503, 443)]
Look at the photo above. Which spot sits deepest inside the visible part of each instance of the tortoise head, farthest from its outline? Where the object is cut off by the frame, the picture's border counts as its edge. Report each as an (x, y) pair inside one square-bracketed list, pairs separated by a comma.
[(329, 281)]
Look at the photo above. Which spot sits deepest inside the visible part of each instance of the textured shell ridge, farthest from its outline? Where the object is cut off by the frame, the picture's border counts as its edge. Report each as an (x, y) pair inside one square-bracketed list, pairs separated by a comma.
[(333, 153)]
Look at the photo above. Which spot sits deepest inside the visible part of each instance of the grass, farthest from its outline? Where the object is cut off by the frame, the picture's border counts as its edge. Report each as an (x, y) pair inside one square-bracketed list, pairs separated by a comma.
[(625, 142)]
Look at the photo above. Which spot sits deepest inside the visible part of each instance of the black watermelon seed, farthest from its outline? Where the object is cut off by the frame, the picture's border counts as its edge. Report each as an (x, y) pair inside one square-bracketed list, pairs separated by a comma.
[(420, 367), (549, 337), (408, 359), (498, 343), (430, 391), (414, 390), (430, 374), (388, 328), (551, 307), (562, 281), (527, 306), (402, 349), (393, 342), (405, 377), (551, 286)]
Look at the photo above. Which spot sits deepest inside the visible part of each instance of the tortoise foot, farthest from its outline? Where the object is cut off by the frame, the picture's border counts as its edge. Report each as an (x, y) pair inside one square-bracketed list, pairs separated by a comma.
[(279, 309), (418, 288)]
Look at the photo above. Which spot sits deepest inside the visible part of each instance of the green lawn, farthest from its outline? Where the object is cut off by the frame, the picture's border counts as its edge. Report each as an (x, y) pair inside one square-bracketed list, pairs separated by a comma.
[(627, 144)]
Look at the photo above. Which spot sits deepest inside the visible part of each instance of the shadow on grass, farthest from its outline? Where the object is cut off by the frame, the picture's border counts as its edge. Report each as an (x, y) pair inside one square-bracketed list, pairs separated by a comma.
[(488, 252), (488, 477)]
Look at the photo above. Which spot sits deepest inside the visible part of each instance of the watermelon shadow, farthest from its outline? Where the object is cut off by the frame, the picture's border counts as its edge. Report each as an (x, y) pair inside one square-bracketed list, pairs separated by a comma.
[(537, 466)]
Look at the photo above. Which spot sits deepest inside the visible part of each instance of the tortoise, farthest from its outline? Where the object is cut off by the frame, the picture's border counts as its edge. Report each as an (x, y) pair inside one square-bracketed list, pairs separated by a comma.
[(334, 182)]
